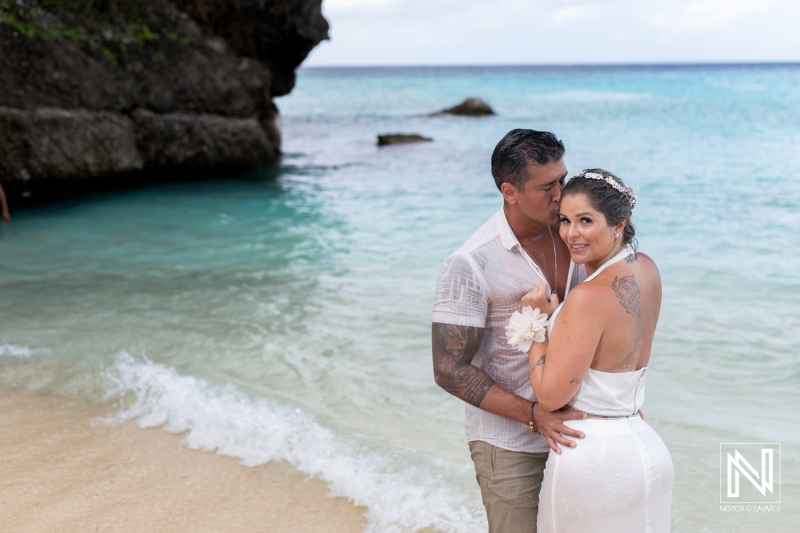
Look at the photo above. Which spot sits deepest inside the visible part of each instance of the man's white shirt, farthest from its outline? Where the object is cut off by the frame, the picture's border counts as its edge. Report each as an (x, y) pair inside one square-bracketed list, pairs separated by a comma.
[(480, 285)]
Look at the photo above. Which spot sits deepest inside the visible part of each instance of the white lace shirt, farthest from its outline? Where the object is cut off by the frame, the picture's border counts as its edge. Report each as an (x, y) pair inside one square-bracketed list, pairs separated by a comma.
[(481, 285)]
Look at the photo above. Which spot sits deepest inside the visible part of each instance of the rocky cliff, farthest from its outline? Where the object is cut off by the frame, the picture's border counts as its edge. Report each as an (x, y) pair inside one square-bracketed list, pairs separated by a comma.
[(111, 90)]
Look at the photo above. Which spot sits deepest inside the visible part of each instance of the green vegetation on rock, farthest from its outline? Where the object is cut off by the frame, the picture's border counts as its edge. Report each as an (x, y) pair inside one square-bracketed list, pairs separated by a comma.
[(108, 27)]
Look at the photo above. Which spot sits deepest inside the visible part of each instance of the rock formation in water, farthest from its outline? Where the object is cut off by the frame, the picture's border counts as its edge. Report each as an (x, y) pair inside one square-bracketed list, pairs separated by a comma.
[(110, 90), (472, 107), (401, 138)]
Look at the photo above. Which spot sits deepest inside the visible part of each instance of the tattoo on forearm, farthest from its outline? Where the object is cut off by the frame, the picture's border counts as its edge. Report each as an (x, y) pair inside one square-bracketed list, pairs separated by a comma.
[(541, 360), (454, 347), (628, 294), (576, 381)]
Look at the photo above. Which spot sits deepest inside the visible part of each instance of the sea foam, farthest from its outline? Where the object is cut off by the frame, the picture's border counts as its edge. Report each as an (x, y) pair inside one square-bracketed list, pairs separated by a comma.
[(401, 491), (12, 350)]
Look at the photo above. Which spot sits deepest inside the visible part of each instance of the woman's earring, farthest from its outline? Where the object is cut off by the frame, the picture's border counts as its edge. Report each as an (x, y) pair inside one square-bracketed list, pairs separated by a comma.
[(617, 234)]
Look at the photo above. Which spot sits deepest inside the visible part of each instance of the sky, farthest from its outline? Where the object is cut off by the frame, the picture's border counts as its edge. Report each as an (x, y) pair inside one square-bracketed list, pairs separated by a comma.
[(533, 32)]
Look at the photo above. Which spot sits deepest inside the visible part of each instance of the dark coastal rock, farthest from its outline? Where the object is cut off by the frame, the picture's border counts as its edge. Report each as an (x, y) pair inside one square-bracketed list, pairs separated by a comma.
[(56, 143), (401, 138), (180, 140), (472, 107), (94, 88)]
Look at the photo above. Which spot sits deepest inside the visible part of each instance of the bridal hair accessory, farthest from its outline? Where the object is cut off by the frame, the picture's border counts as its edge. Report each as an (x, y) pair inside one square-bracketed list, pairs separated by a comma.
[(629, 192), (526, 327)]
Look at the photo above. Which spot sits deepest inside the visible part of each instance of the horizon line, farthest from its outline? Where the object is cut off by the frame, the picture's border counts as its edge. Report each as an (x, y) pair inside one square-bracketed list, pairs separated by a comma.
[(771, 63)]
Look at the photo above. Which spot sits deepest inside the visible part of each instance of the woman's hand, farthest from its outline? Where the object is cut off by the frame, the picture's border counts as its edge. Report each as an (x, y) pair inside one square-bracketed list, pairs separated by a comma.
[(537, 298)]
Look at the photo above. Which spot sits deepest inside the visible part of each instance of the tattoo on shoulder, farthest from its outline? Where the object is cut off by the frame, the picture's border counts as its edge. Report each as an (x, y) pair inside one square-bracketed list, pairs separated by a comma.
[(454, 347), (628, 294), (576, 381), (541, 360), (632, 258)]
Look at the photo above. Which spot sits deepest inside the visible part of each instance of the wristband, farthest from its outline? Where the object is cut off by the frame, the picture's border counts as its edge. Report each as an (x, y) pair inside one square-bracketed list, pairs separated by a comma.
[(532, 423)]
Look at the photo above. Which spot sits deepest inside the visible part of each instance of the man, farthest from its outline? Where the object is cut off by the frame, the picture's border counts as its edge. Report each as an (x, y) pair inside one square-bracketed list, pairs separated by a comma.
[(479, 287)]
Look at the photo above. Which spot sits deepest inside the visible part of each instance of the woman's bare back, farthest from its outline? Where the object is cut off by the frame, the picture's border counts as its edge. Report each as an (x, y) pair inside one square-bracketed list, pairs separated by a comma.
[(626, 297)]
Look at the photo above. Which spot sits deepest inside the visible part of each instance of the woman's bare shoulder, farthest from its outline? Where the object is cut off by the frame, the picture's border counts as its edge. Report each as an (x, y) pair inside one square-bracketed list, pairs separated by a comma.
[(648, 262), (641, 256), (584, 294)]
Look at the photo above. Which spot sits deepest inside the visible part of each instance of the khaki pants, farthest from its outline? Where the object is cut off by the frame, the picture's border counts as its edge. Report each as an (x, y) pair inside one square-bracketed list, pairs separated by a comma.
[(510, 483)]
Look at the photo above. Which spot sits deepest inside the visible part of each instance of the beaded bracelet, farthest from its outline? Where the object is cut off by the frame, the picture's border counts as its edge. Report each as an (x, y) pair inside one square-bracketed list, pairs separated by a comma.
[(532, 423)]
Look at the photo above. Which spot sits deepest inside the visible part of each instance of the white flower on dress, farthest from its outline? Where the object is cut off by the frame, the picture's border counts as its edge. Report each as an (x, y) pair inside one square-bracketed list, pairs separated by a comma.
[(526, 327)]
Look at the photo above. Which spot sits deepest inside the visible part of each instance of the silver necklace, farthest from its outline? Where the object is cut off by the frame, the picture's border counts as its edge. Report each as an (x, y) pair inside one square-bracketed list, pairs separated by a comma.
[(554, 287)]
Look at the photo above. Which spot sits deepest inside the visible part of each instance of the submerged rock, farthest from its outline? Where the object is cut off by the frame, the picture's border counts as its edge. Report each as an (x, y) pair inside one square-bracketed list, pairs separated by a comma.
[(92, 90), (472, 107), (401, 138)]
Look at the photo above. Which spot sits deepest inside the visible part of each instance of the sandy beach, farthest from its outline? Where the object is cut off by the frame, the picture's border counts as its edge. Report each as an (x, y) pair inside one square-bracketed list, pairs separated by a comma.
[(62, 471)]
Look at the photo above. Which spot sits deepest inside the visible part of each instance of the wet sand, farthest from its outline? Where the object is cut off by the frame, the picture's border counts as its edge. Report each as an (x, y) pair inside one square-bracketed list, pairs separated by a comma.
[(60, 471)]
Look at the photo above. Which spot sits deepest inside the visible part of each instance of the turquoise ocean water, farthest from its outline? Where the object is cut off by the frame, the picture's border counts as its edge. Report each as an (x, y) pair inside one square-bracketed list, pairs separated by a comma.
[(284, 315)]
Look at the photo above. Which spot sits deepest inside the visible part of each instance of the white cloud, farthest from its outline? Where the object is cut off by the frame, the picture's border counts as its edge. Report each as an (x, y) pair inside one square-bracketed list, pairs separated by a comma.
[(345, 5), (570, 11), (439, 32), (570, 14), (708, 14)]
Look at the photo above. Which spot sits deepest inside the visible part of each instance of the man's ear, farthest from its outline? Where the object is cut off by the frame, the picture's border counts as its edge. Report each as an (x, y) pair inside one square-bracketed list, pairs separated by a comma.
[(509, 192)]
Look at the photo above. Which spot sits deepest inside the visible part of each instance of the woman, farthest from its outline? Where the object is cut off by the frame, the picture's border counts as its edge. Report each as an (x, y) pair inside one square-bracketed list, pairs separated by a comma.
[(619, 478), (6, 216)]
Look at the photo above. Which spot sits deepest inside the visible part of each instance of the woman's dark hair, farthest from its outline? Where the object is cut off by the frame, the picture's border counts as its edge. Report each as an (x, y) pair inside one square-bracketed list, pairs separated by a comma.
[(520, 148), (615, 204)]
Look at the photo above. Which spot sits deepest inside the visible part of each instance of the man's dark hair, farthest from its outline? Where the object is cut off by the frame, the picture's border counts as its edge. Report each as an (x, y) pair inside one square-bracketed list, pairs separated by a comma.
[(520, 148)]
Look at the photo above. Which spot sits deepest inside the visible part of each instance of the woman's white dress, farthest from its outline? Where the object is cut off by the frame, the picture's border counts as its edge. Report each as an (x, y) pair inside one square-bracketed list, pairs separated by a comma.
[(619, 478)]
